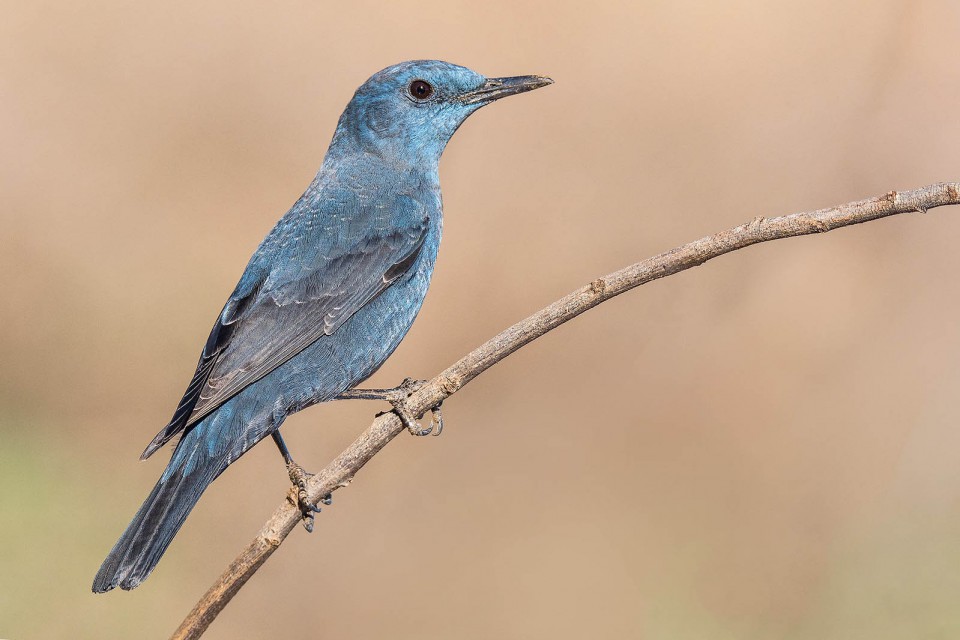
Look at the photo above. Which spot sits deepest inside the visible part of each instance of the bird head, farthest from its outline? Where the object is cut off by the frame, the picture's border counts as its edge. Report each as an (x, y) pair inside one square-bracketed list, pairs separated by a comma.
[(408, 112)]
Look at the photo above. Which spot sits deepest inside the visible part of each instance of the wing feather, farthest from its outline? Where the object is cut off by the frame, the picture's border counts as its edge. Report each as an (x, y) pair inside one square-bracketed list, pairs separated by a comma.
[(270, 319)]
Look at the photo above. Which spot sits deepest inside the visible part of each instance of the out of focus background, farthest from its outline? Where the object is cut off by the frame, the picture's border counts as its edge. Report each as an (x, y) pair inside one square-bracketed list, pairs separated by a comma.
[(764, 447)]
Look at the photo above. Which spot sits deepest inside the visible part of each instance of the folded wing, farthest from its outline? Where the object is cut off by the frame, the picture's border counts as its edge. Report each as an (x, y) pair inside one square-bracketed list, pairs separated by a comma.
[(270, 319)]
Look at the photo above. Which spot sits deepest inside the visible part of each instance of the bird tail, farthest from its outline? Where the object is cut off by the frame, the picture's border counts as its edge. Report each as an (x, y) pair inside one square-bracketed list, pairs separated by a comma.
[(163, 512)]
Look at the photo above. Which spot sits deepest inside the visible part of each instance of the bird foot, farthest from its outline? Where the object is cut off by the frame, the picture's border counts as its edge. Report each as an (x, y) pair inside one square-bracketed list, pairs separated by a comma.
[(413, 425), (397, 397), (299, 477)]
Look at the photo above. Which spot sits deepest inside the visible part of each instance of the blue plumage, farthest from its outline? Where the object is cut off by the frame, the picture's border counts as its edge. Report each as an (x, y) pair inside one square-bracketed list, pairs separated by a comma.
[(325, 299)]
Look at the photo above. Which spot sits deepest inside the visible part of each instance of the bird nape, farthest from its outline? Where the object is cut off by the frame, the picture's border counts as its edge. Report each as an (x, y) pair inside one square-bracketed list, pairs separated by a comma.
[(325, 299)]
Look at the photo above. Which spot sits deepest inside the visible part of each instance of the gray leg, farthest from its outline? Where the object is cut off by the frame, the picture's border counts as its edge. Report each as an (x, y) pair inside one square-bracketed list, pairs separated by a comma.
[(299, 477)]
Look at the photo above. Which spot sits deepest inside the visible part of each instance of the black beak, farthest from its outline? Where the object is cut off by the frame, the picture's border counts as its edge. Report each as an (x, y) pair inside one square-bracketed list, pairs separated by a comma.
[(496, 88)]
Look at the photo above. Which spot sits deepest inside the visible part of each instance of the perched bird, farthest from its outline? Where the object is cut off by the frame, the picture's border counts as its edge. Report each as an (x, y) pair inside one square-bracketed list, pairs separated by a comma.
[(325, 299)]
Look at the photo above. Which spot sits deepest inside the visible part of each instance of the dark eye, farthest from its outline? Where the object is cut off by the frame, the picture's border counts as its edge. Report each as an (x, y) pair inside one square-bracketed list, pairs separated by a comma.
[(420, 90)]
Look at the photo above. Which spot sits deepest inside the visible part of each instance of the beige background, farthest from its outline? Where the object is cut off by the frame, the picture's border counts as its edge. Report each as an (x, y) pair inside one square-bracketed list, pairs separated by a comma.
[(764, 447)]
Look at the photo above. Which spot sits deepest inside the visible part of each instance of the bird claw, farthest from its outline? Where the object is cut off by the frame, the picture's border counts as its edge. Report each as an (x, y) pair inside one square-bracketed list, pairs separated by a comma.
[(299, 477), (398, 398), (436, 418), (414, 427)]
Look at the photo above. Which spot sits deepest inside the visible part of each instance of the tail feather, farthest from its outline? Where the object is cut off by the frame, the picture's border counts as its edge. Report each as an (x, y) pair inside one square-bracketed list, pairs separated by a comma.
[(156, 523)]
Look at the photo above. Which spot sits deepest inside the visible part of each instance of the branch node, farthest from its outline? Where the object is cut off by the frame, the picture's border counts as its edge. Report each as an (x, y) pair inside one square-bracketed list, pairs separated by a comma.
[(892, 196), (953, 192), (273, 540), (448, 385), (598, 286)]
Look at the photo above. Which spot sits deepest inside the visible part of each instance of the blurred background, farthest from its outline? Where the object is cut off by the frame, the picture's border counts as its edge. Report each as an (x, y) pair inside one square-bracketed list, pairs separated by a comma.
[(764, 447)]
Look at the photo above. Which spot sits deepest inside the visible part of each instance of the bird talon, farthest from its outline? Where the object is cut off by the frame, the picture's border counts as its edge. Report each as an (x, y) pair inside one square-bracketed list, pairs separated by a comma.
[(307, 521), (397, 396), (414, 427), (411, 423), (420, 432), (437, 417), (299, 477)]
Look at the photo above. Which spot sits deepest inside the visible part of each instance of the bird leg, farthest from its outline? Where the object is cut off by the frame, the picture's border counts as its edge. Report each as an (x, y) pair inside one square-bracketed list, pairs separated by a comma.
[(397, 396), (299, 477)]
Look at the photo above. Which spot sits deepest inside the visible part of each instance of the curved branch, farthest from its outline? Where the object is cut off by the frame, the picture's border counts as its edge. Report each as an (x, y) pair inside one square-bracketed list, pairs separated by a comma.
[(341, 470)]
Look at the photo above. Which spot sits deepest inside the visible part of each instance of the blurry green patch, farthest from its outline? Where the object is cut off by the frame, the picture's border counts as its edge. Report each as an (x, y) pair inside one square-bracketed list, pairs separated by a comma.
[(54, 498), (898, 580)]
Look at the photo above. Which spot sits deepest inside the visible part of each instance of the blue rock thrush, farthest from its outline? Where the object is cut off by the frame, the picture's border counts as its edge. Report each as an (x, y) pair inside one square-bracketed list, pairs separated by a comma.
[(325, 299)]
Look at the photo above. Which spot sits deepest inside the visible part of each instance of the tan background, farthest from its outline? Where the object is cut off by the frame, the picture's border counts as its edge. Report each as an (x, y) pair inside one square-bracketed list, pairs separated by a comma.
[(764, 447)]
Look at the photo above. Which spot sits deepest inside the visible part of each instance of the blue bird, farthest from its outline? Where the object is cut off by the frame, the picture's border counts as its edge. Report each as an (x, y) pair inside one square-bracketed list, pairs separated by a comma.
[(325, 299)]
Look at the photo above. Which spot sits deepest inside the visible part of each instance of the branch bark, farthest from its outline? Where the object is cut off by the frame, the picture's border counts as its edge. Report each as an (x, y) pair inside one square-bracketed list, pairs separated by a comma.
[(341, 470)]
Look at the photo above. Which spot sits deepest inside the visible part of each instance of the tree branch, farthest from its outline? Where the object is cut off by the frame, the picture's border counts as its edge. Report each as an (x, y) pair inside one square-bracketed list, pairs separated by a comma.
[(341, 470)]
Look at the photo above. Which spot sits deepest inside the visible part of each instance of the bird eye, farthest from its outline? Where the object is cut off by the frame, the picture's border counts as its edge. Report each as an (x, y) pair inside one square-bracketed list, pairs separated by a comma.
[(420, 90)]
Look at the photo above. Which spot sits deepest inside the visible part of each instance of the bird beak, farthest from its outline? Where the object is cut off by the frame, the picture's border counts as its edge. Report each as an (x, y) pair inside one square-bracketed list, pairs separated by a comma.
[(496, 88)]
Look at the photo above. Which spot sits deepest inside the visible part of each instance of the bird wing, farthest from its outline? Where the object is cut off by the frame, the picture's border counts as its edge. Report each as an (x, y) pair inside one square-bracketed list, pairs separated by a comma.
[(276, 314)]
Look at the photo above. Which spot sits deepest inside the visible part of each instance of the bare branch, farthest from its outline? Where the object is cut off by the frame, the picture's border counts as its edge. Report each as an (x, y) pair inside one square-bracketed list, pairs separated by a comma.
[(341, 470)]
